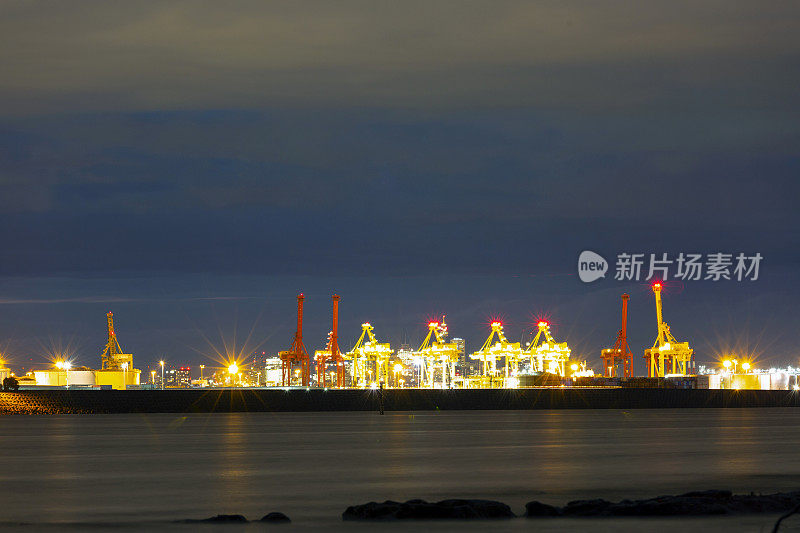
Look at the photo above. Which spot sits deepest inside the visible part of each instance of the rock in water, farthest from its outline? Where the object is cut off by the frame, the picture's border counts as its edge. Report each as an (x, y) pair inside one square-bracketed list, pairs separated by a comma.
[(219, 519), (276, 518), (423, 510), (697, 503), (539, 509)]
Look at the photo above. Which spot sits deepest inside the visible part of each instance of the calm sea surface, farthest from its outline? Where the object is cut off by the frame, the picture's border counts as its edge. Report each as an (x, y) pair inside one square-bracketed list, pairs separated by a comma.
[(140, 472)]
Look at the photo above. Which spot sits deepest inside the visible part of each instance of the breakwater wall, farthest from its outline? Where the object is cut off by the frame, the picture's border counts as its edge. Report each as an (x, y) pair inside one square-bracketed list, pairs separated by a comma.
[(274, 400)]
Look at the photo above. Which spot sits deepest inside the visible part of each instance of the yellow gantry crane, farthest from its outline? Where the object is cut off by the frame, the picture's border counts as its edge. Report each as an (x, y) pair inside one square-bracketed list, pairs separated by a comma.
[(370, 359), (437, 354), (547, 355), (667, 356), (489, 353), (112, 357)]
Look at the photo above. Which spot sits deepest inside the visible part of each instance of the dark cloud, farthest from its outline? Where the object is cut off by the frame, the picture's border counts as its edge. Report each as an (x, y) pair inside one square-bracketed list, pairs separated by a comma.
[(178, 55), (419, 157)]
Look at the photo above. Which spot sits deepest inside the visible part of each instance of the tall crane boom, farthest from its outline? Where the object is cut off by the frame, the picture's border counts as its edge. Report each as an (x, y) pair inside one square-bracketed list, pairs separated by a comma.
[(621, 352), (112, 357), (667, 356), (296, 355), (331, 352)]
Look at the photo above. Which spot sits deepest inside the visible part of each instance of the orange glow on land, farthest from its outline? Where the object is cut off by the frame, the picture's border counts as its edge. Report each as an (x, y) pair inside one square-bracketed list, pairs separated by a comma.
[(229, 351), (744, 342), (63, 365), (59, 350)]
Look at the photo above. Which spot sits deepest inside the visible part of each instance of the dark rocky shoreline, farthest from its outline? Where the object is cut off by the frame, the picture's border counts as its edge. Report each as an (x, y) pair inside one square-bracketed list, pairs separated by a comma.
[(697, 503)]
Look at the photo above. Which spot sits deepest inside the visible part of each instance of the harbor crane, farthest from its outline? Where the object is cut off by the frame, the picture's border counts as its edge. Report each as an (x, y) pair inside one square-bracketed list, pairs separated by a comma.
[(112, 357), (490, 352), (667, 356), (620, 353), (369, 358), (549, 356), (437, 354), (295, 363), (331, 353)]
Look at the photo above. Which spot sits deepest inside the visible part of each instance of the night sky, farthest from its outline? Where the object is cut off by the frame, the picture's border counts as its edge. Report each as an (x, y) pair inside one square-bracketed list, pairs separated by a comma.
[(192, 166)]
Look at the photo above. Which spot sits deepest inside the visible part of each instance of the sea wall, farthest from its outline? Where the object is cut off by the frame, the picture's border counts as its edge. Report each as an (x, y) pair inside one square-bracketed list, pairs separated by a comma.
[(254, 400)]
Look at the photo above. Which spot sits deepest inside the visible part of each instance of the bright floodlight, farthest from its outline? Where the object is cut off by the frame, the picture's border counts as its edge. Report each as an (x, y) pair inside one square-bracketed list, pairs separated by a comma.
[(59, 364), (398, 368), (574, 367), (727, 363), (233, 369), (745, 366), (66, 365)]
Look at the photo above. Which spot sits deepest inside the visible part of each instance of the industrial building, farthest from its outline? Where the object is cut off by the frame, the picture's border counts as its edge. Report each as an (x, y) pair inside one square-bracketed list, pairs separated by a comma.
[(116, 371)]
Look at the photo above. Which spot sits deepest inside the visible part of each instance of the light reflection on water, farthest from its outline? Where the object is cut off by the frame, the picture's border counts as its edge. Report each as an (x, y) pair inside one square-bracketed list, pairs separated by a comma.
[(162, 467)]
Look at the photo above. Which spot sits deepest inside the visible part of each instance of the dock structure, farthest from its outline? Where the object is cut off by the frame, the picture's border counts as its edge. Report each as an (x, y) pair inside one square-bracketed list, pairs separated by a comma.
[(331, 355), (495, 348), (438, 357), (667, 356), (295, 363), (369, 360), (620, 354), (546, 354)]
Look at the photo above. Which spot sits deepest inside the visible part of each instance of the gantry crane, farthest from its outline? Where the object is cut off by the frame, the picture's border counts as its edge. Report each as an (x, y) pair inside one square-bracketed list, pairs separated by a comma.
[(549, 356), (331, 353), (295, 361), (667, 356), (437, 354), (370, 359), (621, 353), (112, 357), (489, 353)]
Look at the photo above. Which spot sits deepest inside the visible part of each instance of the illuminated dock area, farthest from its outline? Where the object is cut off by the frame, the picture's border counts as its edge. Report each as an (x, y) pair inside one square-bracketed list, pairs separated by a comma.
[(441, 366)]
